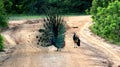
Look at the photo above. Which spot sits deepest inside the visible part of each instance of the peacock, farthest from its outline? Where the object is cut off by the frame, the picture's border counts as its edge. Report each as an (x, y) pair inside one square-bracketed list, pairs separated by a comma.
[(53, 32), (76, 40)]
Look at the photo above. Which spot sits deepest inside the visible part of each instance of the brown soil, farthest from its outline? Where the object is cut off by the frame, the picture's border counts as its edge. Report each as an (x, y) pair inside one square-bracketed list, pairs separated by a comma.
[(22, 49)]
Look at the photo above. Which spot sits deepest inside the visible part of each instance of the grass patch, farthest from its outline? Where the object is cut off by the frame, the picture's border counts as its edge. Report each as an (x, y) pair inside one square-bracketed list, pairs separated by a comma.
[(75, 14), (24, 17)]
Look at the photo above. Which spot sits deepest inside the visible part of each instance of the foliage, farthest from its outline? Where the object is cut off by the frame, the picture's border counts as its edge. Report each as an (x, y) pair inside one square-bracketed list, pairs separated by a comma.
[(54, 30), (1, 43), (96, 4), (8, 4), (107, 22), (37, 6), (3, 20)]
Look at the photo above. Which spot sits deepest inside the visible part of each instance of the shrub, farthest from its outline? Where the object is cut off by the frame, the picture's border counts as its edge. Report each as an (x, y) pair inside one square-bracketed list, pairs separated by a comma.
[(107, 22), (96, 4), (3, 19), (1, 43)]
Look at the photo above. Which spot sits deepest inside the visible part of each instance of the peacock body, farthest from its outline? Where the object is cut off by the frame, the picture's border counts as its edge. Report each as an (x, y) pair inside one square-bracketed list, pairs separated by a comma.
[(53, 32)]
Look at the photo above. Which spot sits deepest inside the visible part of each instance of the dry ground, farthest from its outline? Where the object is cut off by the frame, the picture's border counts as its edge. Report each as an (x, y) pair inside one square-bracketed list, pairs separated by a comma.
[(22, 50)]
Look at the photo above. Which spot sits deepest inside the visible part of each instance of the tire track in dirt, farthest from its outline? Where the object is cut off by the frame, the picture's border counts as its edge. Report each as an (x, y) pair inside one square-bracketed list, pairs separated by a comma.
[(91, 55), (27, 54), (106, 48)]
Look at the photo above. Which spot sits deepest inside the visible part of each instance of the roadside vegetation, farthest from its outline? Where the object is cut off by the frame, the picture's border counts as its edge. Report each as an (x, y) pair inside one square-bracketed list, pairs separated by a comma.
[(3, 17), (38, 6), (3, 23), (32, 9), (1, 43), (106, 19)]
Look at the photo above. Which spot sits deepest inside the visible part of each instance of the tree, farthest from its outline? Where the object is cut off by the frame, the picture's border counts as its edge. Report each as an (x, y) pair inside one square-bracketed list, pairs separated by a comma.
[(54, 30), (8, 4), (37, 6), (3, 19)]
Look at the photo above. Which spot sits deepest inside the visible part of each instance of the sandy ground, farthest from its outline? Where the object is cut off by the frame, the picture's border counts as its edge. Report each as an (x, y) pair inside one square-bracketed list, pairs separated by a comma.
[(22, 49)]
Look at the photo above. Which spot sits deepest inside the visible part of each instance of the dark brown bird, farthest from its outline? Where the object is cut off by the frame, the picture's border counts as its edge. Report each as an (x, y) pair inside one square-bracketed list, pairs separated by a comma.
[(76, 40)]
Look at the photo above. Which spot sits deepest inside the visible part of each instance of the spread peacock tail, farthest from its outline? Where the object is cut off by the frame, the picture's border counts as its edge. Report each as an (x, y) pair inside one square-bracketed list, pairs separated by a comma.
[(54, 30)]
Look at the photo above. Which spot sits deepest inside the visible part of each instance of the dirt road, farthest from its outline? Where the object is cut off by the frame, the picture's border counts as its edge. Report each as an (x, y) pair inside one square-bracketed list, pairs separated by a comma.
[(93, 52)]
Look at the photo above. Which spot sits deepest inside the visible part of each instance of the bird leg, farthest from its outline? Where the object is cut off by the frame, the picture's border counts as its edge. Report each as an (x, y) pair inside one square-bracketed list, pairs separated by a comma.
[(58, 49), (75, 45)]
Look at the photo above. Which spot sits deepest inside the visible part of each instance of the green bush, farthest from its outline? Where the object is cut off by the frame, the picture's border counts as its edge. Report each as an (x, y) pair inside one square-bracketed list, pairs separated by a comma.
[(3, 22), (98, 3), (3, 19), (107, 22), (1, 43)]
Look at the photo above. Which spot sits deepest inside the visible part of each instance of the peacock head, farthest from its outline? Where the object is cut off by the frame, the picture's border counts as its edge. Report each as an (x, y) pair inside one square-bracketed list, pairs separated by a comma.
[(74, 33)]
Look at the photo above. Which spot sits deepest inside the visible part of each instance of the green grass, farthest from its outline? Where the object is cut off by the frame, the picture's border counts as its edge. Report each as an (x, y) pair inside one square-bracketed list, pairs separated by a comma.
[(75, 14), (24, 17)]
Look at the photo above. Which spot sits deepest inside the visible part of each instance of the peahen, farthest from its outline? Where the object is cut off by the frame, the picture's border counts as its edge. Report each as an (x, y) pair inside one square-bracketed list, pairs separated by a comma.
[(76, 40)]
